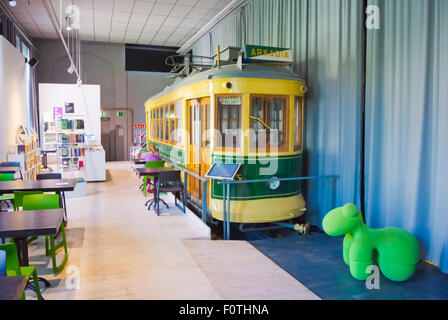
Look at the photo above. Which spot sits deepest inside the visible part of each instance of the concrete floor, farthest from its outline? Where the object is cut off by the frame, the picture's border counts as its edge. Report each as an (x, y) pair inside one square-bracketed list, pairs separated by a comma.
[(119, 250)]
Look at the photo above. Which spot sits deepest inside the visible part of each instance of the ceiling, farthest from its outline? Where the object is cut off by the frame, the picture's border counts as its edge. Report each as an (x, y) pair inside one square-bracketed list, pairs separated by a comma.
[(148, 22)]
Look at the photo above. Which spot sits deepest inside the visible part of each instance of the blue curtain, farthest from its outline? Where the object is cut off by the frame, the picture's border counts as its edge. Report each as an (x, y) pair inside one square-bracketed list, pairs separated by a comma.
[(406, 123), (333, 122), (325, 37), (406, 104)]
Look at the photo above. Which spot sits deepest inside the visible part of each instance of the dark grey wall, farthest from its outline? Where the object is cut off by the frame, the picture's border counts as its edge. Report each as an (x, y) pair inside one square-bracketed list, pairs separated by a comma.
[(103, 64), (141, 85)]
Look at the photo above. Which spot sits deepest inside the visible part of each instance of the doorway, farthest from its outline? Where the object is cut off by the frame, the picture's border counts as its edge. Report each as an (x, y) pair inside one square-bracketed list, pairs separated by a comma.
[(199, 157), (116, 133)]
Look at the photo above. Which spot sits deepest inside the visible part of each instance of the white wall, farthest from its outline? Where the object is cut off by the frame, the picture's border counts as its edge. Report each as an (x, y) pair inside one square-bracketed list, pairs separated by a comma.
[(13, 95), (86, 98)]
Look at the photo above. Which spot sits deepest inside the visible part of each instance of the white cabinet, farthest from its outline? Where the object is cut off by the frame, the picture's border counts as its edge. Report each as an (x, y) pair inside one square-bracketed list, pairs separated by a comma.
[(95, 164)]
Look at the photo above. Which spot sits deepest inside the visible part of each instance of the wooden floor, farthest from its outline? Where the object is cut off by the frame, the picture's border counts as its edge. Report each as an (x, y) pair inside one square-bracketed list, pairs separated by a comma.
[(119, 250)]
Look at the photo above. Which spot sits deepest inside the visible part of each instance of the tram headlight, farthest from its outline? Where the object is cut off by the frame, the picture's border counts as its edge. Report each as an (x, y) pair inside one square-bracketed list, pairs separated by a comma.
[(274, 183), (303, 89)]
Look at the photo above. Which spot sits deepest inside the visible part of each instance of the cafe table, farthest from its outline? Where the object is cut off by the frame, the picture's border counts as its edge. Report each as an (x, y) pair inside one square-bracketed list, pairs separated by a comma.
[(11, 288), (12, 170), (53, 185), (139, 161), (153, 172), (20, 225)]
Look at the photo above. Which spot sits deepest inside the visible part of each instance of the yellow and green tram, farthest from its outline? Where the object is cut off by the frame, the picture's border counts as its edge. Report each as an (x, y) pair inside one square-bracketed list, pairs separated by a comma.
[(251, 115)]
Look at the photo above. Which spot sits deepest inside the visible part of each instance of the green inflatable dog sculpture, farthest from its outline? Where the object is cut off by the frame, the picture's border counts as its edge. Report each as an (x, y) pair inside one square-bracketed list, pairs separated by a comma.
[(395, 250)]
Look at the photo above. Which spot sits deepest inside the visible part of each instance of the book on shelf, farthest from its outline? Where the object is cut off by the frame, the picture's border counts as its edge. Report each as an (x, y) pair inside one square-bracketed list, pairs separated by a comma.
[(66, 124)]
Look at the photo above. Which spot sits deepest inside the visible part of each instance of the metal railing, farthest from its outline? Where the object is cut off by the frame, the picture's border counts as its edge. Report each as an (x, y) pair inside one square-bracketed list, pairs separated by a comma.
[(204, 181), (226, 195)]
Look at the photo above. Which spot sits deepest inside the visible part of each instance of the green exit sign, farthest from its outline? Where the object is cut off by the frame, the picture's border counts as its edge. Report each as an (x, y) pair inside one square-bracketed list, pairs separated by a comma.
[(121, 114), (101, 114)]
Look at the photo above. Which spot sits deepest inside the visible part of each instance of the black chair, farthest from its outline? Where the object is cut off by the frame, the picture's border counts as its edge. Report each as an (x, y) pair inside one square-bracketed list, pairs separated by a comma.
[(12, 164), (169, 181), (53, 176)]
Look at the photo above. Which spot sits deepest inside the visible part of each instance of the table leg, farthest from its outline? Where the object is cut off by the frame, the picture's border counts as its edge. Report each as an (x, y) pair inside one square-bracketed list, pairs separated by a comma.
[(22, 251), (62, 205)]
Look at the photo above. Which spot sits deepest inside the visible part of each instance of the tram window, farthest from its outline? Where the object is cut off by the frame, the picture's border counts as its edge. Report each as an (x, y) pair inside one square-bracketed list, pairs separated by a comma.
[(157, 129), (161, 129), (268, 122), (298, 123), (179, 122), (196, 125), (172, 129), (167, 130), (229, 121), (207, 126)]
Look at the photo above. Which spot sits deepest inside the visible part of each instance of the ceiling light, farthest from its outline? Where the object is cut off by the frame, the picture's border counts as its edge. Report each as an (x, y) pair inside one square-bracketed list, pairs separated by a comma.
[(68, 23), (71, 69), (12, 3)]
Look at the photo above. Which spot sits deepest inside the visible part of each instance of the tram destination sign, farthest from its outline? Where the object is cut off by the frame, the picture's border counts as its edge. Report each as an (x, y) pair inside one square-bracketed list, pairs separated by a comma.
[(268, 53), (230, 100)]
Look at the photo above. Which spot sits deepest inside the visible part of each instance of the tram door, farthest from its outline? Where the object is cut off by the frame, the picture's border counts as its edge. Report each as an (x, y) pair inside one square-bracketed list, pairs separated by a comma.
[(199, 122)]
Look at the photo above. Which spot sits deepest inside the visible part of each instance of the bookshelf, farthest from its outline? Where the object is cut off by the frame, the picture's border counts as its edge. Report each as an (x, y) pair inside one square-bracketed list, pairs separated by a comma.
[(26, 151), (68, 137)]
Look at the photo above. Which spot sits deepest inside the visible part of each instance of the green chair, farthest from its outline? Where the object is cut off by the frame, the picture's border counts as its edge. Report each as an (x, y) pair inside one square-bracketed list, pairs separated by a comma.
[(7, 177), (13, 268), (18, 197), (18, 203), (42, 202), (151, 164)]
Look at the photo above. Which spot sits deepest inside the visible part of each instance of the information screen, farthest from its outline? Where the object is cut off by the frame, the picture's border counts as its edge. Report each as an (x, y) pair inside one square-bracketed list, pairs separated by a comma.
[(223, 171)]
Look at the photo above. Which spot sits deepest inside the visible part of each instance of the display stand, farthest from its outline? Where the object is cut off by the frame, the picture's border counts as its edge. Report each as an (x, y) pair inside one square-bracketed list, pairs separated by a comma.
[(70, 123), (68, 137)]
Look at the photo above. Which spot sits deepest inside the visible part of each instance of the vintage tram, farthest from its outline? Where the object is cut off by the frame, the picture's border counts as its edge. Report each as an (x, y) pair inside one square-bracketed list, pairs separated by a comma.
[(236, 111)]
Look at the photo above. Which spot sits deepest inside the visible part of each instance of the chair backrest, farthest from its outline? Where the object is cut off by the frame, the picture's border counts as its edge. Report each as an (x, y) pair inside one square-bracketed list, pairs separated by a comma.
[(6, 177), (155, 164), (10, 164), (12, 258), (41, 202), (18, 197), (169, 176), (3, 263), (48, 176)]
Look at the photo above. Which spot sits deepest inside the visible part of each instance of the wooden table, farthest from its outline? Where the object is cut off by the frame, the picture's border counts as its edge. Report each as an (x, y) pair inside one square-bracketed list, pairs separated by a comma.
[(52, 185), (11, 288), (12, 170), (56, 185), (153, 172), (139, 161), (23, 224)]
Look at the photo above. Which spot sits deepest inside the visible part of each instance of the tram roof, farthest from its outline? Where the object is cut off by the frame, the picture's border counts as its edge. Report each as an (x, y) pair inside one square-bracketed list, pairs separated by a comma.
[(232, 71)]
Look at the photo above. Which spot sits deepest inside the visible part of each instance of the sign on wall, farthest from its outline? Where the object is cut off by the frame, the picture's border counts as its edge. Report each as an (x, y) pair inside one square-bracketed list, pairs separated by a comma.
[(264, 53), (69, 107)]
